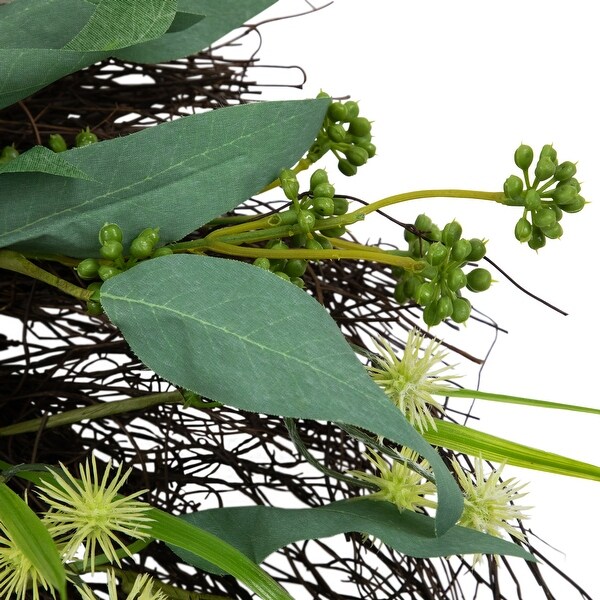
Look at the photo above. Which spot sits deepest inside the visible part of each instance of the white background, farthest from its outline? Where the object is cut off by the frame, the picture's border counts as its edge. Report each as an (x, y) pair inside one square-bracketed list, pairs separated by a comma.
[(453, 87)]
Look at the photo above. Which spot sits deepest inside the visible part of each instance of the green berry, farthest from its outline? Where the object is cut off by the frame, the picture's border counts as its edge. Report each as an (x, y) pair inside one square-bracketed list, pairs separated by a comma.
[(324, 206), (423, 223), (283, 275), (461, 310), (163, 251), (9, 153), (337, 111), (477, 250), (411, 286), (399, 294), (479, 280), (537, 240), (151, 234), (461, 251), (513, 188), (533, 200), (352, 110), (325, 243), (426, 293), (289, 184), (430, 315), (451, 233), (523, 230), (106, 272), (543, 217), (575, 206), (549, 152), (456, 279), (444, 308), (323, 94), (94, 309), (360, 126), (95, 289), (141, 247), (85, 137), (370, 148), (57, 143), (357, 156), (318, 177), (313, 245), (297, 281), (347, 168), (295, 267), (554, 232), (340, 206), (564, 194), (299, 240), (336, 133), (111, 250), (110, 232), (323, 190), (88, 268), (437, 254), (306, 221), (418, 247), (277, 245), (565, 171), (524, 157), (545, 168), (337, 231)]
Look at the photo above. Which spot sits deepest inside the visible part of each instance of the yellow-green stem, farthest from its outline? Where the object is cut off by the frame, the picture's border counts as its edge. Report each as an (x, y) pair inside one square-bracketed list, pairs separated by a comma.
[(13, 261)]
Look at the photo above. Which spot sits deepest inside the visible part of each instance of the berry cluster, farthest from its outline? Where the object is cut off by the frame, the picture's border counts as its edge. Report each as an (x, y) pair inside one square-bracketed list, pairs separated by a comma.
[(113, 262), (346, 134), (543, 206), (85, 137), (309, 214), (438, 287)]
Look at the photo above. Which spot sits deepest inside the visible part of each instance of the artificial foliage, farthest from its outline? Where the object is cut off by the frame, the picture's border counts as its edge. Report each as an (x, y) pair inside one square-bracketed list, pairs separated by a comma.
[(210, 344)]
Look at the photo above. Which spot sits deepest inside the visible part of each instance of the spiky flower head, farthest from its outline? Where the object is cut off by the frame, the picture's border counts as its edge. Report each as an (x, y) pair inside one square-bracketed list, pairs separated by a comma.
[(18, 575), (141, 589), (409, 382), (489, 501), (90, 512), (398, 483)]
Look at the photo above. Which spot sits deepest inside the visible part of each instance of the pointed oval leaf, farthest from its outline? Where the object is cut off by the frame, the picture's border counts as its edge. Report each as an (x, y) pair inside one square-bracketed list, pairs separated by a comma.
[(32, 538), (176, 176), (258, 531), (220, 18), (242, 336)]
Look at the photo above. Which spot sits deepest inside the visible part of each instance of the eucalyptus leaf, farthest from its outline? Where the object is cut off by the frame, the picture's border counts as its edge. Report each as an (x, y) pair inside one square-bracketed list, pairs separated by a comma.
[(258, 531), (176, 176), (40, 159), (490, 447), (240, 335), (117, 24), (30, 536), (220, 18)]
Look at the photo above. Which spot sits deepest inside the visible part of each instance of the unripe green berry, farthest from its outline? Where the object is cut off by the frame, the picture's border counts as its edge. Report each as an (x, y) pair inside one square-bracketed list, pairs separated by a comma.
[(9, 153), (513, 188), (477, 250), (277, 245), (444, 307), (461, 310), (548, 151), (461, 251), (110, 232), (545, 168), (558, 213), (295, 267), (352, 110), (337, 112), (418, 247), (411, 286), (106, 272), (111, 250), (370, 148), (57, 143), (313, 245), (337, 231), (523, 230), (95, 289), (456, 279), (533, 200), (479, 280), (141, 247), (347, 168), (524, 157), (423, 223), (574, 206), (554, 232), (85, 137), (430, 315), (360, 126), (426, 293), (163, 251), (318, 177), (151, 234), (283, 275), (565, 171), (537, 240), (324, 206), (336, 133), (340, 206), (88, 268), (357, 156), (399, 294), (299, 240), (325, 243), (289, 183), (306, 221), (437, 254), (297, 281), (94, 309), (543, 217), (322, 95), (451, 233), (564, 194), (325, 190)]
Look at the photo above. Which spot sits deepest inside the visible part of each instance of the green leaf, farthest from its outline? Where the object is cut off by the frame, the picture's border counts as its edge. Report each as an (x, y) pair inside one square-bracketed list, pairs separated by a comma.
[(176, 176), (242, 336), (220, 18), (117, 24), (258, 531), (40, 159), (476, 443), (199, 543), (28, 533)]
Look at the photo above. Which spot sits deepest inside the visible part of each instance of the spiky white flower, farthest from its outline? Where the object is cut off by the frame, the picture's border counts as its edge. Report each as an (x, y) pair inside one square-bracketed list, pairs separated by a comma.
[(90, 512), (410, 382), (141, 589), (18, 575), (399, 484)]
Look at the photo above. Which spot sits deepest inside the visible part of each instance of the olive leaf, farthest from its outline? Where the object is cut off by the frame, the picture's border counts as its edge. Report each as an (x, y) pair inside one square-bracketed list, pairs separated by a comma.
[(240, 335), (40, 159), (206, 165), (258, 531)]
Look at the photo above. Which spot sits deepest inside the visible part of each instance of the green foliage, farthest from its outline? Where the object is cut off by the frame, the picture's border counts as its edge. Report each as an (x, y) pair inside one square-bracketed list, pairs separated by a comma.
[(41, 160)]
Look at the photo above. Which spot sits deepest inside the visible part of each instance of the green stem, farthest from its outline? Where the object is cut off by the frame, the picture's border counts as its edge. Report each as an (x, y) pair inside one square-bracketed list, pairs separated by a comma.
[(464, 393), (13, 261), (98, 411)]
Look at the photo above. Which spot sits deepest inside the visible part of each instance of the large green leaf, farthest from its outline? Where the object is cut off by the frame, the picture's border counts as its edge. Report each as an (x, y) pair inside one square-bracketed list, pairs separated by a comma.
[(40, 159), (477, 443), (117, 24), (242, 336), (176, 176), (30, 536), (258, 531), (220, 18)]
